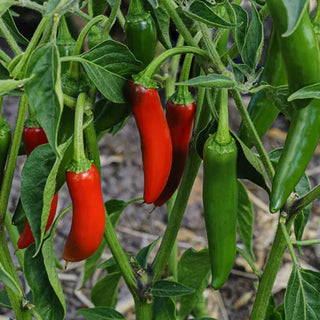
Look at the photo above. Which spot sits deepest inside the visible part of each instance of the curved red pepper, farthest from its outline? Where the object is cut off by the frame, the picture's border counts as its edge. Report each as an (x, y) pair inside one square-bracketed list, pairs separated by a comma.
[(88, 219), (33, 137), (26, 237), (180, 120), (155, 139)]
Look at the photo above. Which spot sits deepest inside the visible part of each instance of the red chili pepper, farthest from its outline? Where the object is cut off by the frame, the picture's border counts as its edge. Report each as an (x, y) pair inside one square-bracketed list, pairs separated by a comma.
[(88, 219), (180, 120), (155, 139), (33, 137), (26, 237)]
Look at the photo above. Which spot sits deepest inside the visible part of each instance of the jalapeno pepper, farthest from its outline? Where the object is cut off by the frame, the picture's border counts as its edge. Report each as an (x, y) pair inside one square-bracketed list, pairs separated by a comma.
[(220, 199), (262, 109), (298, 49), (141, 32), (155, 138)]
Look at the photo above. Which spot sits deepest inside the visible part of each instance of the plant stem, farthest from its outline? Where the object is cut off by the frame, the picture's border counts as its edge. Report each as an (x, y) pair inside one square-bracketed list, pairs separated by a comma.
[(112, 19), (257, 272), (5, 57), (143, 310), (18, 71), (83, 15), (121, 18), (269, 275), (305, 242), (303, 201), (120, 258), (189, 175), (223, 136), (31, 5), (10, 39), (257, 141), (211, 48)]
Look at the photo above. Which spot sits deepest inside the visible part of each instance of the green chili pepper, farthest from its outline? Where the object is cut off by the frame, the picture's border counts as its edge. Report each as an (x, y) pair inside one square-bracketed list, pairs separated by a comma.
[(220, 199), (262, 109), (141, 32), (300, 51)]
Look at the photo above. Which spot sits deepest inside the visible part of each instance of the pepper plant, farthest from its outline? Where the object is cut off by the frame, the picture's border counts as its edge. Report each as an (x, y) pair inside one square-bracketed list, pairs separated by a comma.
[(211, 52)]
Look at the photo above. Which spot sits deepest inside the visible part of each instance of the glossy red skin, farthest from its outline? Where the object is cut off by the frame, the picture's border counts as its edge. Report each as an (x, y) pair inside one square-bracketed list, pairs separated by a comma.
[(26, 237), (88, 220), (180, 119), (155, 139), (33, 137)]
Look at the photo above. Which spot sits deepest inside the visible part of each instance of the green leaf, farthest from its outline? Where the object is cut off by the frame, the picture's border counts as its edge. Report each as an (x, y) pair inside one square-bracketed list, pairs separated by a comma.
[(190, 261), (5, 5), (203, 12), (302, 295), (7, 279), (101, 313), (9, 85), (245, 218), (110, 263), (162, 20), (165, 288), (105, 291), (4, 73), (143, 254), (253, 42), (11, 25), (212, 80), (153, 3), (114, 57), (309, 92), (164, 308), (44, 90), (295, 9), (5, 300), (46, 302), (242, 25)]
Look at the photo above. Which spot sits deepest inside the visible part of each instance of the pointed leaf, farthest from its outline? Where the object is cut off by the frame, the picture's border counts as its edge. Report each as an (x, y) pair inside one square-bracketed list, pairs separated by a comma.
[(5, 300), (242, 25), (10, 84), (162, 20), (5, 5), (143, 254), (308, 92), (101, 313), (302, 295), (11, 25), (105, 291), (7, 279), (203, 12), (164, 309), (190, 261), (44, 90), (165, 288), (245, 218), (212, 80)]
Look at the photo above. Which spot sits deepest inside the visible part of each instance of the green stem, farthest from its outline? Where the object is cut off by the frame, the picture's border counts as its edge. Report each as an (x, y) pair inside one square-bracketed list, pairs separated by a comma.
[(121, 18), (5, 57), (83, 15), (112, 19), (74, 65), (288, 241), (215, 57), (269, 275), (257, 272), (10, 39), (201, 100), (143, 309), (308, 198), (69, 101), (223, 136), (78, 153), (305, 242), (120, 258), (31, 5), (189, 175), (17, 72), (54, 30), (257, 141), (148, 73)]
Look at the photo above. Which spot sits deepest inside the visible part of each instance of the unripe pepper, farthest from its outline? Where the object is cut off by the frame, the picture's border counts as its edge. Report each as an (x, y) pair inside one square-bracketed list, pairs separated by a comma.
[(83, 181), (88, 218), (220, 200), (141, 32), (180, 119), (155, 138), (33, 137), (299, 49)]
